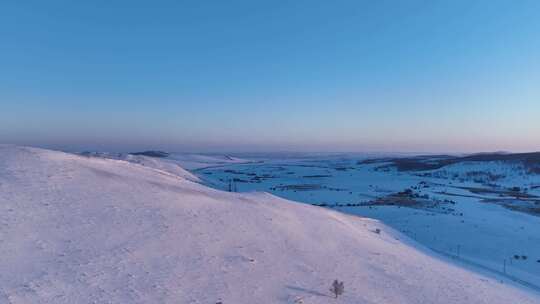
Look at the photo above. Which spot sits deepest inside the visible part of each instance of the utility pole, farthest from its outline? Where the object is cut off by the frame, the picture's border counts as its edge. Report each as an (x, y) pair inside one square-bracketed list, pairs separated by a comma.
[(232, 185)]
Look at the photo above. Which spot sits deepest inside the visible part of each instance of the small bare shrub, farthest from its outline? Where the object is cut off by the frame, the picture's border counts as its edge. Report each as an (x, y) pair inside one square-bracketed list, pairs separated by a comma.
[(337, 288)]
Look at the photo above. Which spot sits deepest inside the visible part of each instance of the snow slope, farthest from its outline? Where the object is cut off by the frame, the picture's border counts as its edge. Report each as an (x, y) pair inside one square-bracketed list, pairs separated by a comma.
[(163, 164), (504, 174), (75, 229)]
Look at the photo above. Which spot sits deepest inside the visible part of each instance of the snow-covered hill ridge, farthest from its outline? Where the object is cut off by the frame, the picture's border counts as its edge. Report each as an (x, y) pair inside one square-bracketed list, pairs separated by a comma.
[(75, 229), (162, 164)]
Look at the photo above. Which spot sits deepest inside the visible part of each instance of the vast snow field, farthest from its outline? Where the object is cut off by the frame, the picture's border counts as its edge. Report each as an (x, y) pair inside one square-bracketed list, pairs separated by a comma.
[(461, 221), (79, 229)]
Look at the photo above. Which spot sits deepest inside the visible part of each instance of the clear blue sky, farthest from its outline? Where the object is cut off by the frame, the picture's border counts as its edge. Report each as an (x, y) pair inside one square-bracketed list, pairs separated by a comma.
[(271, 75)]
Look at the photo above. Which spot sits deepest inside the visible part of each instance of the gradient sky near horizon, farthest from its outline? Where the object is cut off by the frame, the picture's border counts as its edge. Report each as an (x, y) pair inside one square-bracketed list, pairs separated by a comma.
[(407, 76)]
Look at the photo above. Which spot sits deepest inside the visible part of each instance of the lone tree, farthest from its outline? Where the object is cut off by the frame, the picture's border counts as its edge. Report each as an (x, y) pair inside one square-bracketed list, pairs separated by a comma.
[(337, 288)]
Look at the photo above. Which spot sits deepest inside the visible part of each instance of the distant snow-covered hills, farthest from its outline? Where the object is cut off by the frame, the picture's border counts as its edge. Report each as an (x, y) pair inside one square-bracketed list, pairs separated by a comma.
[(530, 162), (79, 229)]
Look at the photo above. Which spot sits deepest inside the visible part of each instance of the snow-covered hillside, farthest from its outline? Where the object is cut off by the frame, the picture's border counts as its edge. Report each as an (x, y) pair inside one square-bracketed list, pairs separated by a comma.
[(163, 164), (77, 229), (494, 173)]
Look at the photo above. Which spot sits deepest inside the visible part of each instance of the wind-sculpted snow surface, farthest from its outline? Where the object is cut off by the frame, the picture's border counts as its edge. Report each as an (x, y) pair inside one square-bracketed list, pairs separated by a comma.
[(77, 229)]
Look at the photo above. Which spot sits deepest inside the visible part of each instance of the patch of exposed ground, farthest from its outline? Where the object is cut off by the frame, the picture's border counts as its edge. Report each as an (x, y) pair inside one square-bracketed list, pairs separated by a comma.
[(409, 198)]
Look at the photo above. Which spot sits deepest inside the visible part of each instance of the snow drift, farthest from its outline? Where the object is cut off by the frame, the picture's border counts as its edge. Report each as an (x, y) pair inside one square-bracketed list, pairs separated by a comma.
[(76, 229)]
